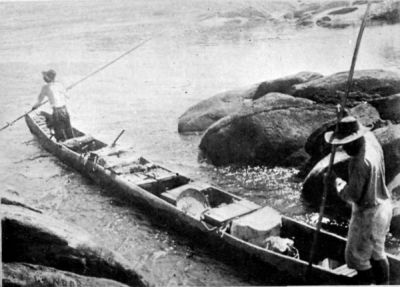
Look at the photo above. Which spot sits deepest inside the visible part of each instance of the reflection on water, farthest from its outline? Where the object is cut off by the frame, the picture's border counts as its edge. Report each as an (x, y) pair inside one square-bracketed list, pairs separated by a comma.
[(144, 94)]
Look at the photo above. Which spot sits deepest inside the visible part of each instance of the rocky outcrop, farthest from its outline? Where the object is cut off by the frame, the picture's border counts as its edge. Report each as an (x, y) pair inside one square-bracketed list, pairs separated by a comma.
[(395, 224), (389, 138), (33, 237), (202, 115), (388, 107), (367, 85), (263, 134), (316, 146), (340, 18), (381, 12), (24, 274), (313, 186), (388, 12), (284, 85), (341, 11), (328, 14), (248, 133)]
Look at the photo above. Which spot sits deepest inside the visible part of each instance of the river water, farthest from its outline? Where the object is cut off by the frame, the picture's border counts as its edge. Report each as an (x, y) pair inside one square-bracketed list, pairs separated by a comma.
[(187, 60)]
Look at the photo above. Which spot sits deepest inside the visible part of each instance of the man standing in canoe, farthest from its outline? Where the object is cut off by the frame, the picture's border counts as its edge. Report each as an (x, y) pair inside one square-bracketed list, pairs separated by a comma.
[(56, 93), (371, 205)]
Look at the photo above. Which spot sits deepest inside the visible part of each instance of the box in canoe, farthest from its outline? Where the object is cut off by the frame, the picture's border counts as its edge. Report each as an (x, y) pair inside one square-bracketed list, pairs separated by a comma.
[(224, 219)]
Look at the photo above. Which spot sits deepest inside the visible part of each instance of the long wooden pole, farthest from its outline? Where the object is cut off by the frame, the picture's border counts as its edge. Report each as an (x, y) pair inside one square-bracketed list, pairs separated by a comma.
[(333, 147), (117, 138), (81, 80)]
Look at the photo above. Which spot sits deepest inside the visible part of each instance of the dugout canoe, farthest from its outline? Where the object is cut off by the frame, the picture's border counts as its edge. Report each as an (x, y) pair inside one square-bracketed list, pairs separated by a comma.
[(224, 219)]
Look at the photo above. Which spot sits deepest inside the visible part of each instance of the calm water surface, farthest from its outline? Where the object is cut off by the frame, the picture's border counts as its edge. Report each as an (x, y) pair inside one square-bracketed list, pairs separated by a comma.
[(186, 61)]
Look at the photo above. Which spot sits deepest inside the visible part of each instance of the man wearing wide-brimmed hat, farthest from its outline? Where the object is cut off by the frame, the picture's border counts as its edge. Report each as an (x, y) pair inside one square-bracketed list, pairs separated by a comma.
[(56, 93), (371, 205)]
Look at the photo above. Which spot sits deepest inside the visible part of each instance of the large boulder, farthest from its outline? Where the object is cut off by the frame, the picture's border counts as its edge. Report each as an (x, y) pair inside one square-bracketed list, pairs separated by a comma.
[(367, 85), (268, 133), (316, 146), (394, 184), (388, 108), (24, 274), (313, 186), (395, 224), (389, 138), (202, 115), (284, 85), (33, 237)]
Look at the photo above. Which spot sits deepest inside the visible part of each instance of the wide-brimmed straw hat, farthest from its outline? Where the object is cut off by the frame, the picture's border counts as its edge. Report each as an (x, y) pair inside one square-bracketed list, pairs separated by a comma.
[(49, 75), (349, 129)]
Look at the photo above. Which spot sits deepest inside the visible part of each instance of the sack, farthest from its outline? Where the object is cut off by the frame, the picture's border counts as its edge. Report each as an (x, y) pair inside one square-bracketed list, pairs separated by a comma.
[(192, 202), (281, 245)]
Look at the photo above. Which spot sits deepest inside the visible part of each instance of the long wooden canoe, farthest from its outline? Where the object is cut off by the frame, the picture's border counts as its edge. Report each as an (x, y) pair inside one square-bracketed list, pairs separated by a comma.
[(223, 218)]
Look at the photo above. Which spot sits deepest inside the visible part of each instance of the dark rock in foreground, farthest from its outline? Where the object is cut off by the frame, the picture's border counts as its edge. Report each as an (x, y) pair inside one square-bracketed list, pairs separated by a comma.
[(389, 138), (32, 237), (388, 108), (313, 186), (202, 115), (395, 224), (367, 85), (24, 274), (316, 146), (264, 134)]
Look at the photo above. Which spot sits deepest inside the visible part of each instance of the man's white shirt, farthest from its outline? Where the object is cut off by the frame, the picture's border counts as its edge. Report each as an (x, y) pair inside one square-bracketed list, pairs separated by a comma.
[(56, 94)]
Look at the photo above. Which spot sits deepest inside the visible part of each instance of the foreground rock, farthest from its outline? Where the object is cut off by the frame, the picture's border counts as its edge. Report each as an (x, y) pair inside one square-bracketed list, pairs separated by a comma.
[(202, 115), (388, 108), (389, 138), (266, 133), (32, 237), (335, 207), (313, 186), (367, 85), (316, 146), (24, 274), (395, 224)]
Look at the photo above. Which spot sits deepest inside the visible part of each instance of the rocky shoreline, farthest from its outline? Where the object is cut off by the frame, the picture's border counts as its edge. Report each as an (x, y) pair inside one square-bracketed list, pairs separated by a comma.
[(278, 117), (39, 250), (338, 14)]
